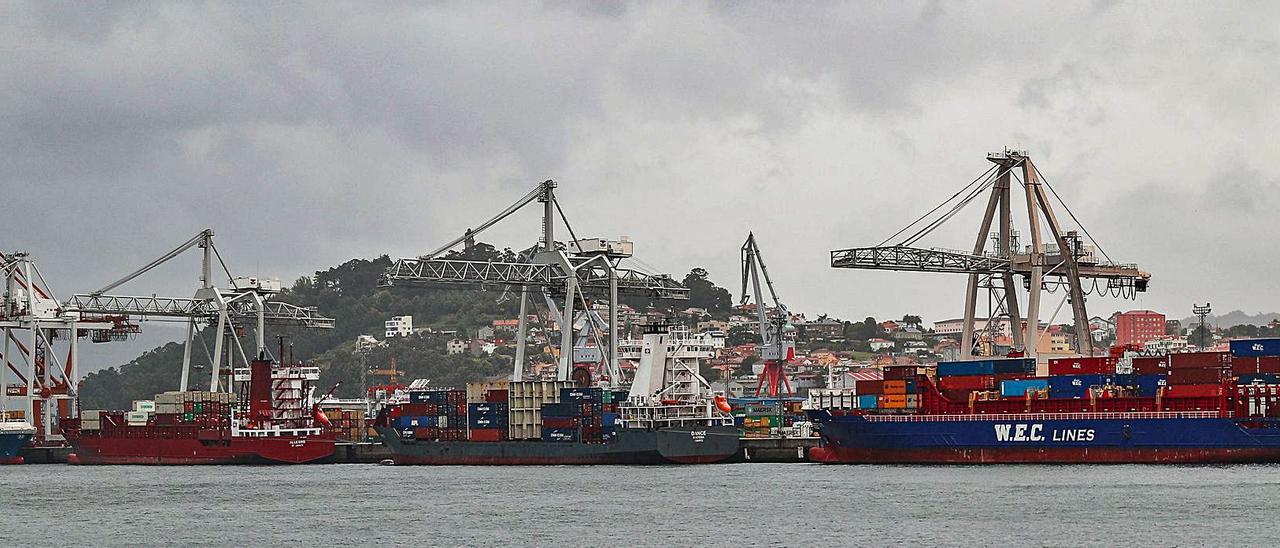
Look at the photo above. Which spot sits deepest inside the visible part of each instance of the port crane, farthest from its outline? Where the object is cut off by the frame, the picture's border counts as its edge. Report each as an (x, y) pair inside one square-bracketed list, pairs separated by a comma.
[(32, 323), (777, 334), (572, 273), (246, 300), (1063, 263)]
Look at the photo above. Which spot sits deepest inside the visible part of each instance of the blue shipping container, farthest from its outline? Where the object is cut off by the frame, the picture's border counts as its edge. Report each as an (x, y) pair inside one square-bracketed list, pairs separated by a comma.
[(610, 421), (1253, 348), (580, 394), (485, 421), (1259, 378), (966, 368), (482, 408), (559, 434), (561, 409), (1076, 386), (868, 401), (1014, 366), (1019, 388)]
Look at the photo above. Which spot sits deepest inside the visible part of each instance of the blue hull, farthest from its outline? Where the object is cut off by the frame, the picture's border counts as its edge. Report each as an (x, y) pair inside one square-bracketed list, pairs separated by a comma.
[(10, 444), (1058, 438)]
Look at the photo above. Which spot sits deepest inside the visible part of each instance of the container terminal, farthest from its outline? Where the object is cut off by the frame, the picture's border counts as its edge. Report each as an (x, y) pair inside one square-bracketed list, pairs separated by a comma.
[(619, 400)]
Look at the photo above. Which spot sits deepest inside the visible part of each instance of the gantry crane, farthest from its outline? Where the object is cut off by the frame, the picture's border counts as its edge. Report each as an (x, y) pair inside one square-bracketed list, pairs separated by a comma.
[(575, 272), (777, 335), (246, 300), (1064, 263), (32, 323)]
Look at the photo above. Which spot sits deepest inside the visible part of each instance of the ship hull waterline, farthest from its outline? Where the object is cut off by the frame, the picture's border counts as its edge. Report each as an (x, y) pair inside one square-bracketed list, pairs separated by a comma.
[(282, 450), (684, 445), (1026, 440)]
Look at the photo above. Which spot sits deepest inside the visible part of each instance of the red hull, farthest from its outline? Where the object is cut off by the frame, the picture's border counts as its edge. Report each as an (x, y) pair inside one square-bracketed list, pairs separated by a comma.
[(1045, 455), (11, 460), (272, 450)]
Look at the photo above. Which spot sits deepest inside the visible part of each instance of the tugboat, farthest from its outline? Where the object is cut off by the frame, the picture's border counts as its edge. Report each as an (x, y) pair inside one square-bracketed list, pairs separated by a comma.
[(269, 421), (668, 416)]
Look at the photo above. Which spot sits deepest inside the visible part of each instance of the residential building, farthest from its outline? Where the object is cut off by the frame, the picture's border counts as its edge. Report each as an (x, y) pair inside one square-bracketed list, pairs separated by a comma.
[(712, 325), (485, 333), (1139, 326), (365, 343), (399, 326), (889, 326), (1173, 327), (955, 327), (1166, 345), (824, 328), (455, 346), (878, 345)]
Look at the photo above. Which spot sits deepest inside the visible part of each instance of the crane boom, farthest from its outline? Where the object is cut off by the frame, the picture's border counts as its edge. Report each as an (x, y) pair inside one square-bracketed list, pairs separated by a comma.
[(775, 346)]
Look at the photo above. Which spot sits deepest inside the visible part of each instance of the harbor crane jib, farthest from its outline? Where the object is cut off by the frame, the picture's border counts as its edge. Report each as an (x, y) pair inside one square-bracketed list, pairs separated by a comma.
[(573, 273), (245, 300), (1064, 262)]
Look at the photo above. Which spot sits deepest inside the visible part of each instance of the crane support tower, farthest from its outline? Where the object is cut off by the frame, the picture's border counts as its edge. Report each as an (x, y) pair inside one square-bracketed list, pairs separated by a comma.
[(37, 386), (1063, 262), (777, 334), (568, 275)]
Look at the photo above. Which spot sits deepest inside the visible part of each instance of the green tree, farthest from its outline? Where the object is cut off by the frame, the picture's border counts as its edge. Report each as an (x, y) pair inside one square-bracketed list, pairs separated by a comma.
[(705, 294)]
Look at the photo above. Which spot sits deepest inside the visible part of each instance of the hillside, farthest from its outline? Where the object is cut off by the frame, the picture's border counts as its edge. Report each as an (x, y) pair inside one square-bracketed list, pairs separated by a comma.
[(349, 292)]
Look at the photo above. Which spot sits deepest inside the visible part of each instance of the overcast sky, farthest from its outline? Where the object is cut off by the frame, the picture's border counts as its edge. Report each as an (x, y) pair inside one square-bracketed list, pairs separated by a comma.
[(306, 135)]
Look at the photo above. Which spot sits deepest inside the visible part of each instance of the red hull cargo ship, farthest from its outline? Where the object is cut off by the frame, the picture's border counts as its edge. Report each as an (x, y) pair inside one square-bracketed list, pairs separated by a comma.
[(1204, 407), (270, 422)]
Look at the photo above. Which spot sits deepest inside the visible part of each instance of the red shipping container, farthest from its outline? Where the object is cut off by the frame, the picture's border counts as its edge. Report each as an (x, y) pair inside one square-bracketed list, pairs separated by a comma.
[(1195, 376), (1148, 365), (487, 434), (1255, 364), (559, 422), (899, 373), (496, 396), (424, 433), (967, 382), (1083, 366), (1192, 390), (1199, 360), (868, 387)]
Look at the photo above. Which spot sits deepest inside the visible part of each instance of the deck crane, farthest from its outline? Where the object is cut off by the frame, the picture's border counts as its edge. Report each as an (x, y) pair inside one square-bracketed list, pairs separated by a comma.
[(777, 335), (571, 272), (31, 323), (1065, 263), (246, 300)]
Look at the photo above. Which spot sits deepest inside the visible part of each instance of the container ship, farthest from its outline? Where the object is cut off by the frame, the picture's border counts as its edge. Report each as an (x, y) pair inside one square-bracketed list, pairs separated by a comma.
[(14, 435), (667, 416), (1202, 407), (268, 421)]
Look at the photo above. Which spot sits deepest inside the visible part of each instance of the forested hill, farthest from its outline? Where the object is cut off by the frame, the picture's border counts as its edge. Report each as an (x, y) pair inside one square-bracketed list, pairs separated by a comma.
[(349, 293)]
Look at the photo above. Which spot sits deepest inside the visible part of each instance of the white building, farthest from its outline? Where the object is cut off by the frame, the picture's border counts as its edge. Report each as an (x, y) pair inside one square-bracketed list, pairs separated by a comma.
[(880, 344), (1166, 345), (365, 343), (455, 346), (399, 326), (955, 327)]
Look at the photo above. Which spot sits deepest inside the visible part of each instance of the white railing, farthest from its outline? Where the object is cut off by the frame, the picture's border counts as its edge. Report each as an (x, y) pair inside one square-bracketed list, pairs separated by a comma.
[(1051, 416)]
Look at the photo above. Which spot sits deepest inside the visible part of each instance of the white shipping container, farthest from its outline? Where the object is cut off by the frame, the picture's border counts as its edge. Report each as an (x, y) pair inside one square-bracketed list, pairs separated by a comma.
[(144, 406), (135, 417)]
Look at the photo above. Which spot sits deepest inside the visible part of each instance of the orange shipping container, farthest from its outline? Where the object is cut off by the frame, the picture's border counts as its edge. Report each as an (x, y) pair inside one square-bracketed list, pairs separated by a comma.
[(895, 387), (893, 401)]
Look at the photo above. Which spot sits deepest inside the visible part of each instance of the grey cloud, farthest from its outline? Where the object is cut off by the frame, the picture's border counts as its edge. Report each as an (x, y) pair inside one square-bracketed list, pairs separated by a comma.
[(307, 136)]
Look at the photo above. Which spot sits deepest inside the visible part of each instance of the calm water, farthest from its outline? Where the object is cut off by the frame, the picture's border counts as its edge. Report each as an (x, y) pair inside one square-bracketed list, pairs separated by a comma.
[(743, 504)]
